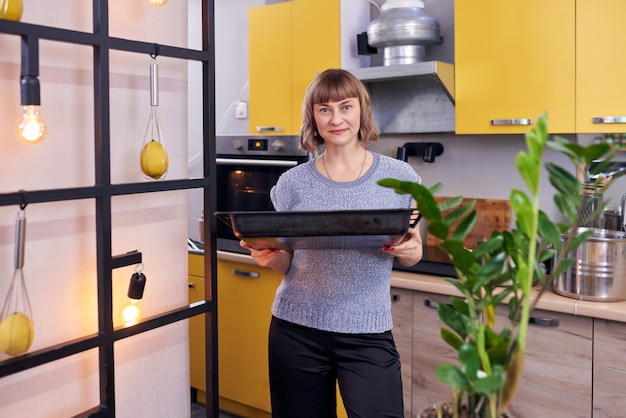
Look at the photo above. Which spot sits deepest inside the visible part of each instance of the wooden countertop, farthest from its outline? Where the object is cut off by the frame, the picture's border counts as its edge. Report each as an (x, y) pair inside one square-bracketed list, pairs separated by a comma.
[(550, 301)]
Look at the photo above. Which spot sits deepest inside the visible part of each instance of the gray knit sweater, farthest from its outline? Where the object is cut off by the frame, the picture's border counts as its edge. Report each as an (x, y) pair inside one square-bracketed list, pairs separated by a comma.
[(339, 290)]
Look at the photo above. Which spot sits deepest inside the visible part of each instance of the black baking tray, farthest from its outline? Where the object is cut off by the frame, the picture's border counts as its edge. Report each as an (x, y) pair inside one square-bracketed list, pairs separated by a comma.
[(319, 229)]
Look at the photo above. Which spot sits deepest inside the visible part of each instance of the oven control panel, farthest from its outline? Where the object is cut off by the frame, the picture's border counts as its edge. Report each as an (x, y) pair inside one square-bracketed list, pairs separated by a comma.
[(257, 144), (283, 146)]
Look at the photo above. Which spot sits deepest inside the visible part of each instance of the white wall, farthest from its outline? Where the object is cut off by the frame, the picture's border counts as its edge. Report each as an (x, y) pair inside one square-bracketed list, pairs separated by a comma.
[(152, 369)]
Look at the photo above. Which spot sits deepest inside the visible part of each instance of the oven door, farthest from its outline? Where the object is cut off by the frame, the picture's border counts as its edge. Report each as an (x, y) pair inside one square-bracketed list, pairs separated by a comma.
[(243, 184)]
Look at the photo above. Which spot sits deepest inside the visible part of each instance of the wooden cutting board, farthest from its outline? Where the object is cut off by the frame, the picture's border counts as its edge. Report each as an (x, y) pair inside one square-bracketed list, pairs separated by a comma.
[(492, 214)]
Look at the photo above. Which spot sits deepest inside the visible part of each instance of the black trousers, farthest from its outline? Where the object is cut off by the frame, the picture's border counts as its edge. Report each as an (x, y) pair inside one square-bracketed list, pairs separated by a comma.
[(305, 365)]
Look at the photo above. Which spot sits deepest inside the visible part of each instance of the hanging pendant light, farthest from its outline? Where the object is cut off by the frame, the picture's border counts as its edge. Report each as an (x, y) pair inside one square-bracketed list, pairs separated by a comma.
[(132, 311), (31, 128)]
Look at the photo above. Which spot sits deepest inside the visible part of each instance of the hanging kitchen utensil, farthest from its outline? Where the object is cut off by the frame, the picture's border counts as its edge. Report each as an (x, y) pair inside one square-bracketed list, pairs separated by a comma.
[(154, 159), (16, 326)]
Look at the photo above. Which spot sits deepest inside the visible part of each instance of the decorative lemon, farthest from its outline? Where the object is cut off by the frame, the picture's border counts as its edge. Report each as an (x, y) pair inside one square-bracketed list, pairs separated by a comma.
[(11, 9), (153, 159), (16, 334)]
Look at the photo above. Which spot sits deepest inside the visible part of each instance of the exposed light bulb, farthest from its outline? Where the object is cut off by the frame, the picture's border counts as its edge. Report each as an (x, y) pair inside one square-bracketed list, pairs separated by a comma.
[(157, 2), (31, 128), (132, 312)]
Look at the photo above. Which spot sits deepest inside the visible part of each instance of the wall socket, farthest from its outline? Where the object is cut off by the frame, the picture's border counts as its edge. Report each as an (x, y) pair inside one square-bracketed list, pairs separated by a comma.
[(241, 110)]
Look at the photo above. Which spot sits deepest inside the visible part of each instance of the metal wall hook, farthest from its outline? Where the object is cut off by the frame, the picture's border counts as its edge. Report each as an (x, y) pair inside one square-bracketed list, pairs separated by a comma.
[(156, 52), (24, 202)]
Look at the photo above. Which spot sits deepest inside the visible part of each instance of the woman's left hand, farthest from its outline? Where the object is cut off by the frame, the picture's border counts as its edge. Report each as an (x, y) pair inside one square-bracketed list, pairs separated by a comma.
[(408, 250)]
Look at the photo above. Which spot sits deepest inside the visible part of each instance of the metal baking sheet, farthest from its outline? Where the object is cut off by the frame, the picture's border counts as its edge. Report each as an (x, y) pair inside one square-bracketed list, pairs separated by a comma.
[(332, 229)]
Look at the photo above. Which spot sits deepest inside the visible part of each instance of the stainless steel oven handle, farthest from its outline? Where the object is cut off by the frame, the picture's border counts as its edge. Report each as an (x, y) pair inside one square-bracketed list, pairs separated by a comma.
[(246, 161)]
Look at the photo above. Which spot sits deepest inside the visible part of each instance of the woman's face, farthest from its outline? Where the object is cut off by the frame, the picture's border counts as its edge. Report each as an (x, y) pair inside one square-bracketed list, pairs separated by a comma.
[(338, 122)]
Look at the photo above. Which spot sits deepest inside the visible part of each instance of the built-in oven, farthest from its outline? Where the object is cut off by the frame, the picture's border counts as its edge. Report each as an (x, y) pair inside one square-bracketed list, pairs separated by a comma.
[(246, 168)]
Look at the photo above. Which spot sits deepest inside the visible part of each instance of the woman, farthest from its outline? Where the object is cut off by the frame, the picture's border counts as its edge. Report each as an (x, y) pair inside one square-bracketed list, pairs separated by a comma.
[(332, 312)]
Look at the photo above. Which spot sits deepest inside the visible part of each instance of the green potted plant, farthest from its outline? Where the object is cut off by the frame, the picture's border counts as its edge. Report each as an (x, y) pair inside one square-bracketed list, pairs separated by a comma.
[(502, 269)]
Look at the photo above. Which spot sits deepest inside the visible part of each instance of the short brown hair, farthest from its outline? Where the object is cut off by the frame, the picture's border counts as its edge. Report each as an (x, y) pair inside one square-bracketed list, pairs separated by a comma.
[(334, 85)]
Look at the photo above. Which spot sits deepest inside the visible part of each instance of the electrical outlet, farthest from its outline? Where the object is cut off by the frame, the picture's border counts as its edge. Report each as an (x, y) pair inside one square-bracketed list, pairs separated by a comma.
[(241, 110)]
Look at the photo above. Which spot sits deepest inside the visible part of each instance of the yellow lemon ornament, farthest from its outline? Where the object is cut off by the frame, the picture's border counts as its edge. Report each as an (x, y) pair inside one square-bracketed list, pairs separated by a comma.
[(154, 159), (16, 333)]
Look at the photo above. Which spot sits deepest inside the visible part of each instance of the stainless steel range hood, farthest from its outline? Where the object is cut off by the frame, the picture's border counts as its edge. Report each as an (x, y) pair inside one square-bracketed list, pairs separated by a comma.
[(411, 98)]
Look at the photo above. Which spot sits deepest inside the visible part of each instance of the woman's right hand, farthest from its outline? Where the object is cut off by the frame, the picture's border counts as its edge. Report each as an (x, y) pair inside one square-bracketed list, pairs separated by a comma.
[(265, 257)]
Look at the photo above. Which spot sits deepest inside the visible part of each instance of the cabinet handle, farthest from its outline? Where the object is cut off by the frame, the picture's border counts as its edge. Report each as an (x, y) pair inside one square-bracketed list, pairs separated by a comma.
[(509, 122), (269, 128), (544, 322), (395, 298), (609, 119), (431, 304), (192, 285), (252, 274)]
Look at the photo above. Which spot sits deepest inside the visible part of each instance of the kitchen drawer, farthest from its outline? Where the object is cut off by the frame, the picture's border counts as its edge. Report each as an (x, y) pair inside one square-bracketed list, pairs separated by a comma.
[(557, 376)]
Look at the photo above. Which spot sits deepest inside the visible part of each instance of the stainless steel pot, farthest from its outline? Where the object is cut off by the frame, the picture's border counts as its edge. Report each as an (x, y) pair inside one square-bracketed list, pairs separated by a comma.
[(599, 271)]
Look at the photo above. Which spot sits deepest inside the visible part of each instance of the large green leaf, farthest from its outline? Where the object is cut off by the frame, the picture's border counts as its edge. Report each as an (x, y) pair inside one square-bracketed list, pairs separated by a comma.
[(491, 384), (459, 305), (577, 240), (465, 226), (526, 167), (452, 376), (562, 180), (469, 360), (450, 203), (459, 213), (452, 319), (567, 207), (439, 229), (451, 338)]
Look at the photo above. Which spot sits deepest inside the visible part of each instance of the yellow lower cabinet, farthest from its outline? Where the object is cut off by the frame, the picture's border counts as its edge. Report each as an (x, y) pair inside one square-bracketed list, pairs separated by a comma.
[(245, 293), (341, 410)]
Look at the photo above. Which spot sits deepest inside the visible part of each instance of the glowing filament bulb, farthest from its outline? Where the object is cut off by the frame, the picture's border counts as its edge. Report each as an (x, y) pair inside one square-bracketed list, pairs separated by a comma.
[(31, 128), (157, 2), (132, 312)]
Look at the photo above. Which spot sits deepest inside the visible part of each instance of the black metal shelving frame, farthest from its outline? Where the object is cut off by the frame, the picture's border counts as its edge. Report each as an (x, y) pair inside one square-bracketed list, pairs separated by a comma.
[(103, 192)]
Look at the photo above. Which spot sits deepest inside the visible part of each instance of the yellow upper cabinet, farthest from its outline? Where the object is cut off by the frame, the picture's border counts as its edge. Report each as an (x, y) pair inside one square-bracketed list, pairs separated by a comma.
[(514, 60), (270, 69), (600, 64), (290, 43)]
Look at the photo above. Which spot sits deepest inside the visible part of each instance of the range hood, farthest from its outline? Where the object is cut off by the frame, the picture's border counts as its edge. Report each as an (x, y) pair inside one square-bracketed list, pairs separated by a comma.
[(411, 98)]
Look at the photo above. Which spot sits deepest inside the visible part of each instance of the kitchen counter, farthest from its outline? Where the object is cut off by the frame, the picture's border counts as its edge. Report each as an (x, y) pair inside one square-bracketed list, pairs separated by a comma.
[(550, 301)]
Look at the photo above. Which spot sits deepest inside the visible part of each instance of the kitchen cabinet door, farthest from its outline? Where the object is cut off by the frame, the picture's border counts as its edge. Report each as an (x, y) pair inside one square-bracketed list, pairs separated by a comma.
[(245, 295), (270, 81), (513, 61), (557, 376), (290, 43), (402, 313), (600, 62), (609, 368), (429, 351), (316, 37)]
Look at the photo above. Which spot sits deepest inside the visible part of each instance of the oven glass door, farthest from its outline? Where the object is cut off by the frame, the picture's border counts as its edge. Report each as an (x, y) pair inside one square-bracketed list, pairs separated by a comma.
[(244, 185)]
